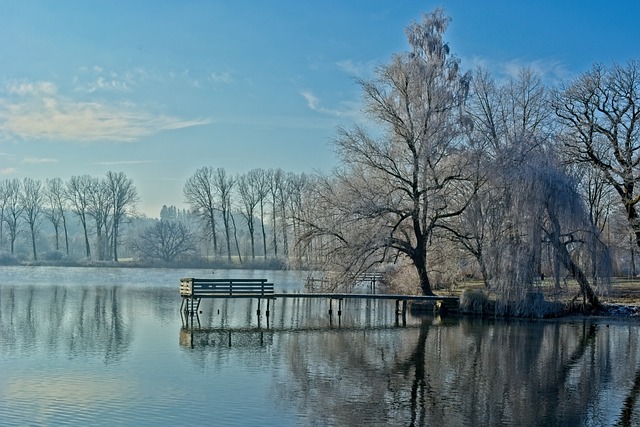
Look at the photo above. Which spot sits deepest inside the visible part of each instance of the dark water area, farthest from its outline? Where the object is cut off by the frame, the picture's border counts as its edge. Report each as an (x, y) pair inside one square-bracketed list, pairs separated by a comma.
[(94, 346)]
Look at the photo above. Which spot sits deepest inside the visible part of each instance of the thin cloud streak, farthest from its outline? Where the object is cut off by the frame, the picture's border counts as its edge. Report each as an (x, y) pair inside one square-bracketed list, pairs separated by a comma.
[(8, 171), (313, 103), (550, 71), (125, 162), (37, 111), (38, 160)]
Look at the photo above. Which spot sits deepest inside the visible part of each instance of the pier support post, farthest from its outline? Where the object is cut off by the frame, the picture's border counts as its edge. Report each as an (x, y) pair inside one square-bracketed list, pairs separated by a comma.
[(404, 313)]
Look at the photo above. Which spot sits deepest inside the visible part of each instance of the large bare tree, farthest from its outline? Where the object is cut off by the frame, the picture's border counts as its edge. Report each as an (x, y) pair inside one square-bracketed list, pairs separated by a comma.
[(600, 111), (399, 184)]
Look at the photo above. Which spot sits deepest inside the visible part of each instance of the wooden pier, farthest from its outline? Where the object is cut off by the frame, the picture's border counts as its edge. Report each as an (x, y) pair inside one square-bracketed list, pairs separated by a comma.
[(192, 290)]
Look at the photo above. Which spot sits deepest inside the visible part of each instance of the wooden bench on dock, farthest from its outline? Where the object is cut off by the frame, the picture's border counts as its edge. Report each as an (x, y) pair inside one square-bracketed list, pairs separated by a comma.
[(192, 290)]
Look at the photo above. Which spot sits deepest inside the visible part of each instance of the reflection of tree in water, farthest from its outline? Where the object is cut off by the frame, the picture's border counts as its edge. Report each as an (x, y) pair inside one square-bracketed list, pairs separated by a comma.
[(483, 373), (73, 321)]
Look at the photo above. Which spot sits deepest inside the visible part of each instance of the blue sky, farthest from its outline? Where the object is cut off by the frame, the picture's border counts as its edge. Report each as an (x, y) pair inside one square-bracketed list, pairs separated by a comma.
[(157, 89)]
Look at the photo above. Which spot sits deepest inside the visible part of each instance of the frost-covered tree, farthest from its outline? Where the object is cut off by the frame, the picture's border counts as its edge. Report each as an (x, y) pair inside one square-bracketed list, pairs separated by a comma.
[(397, 186), (541, 207), (526, 204), (511, 122)]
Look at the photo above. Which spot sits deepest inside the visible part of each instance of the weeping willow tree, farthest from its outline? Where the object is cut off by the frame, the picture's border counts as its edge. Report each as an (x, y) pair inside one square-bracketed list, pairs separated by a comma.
[(543, 213), (527, 210)]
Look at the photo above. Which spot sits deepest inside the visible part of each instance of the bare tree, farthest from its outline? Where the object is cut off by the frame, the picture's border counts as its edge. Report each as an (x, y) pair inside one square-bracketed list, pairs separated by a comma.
[(167, 240), (198, 194), (275, 179), (3, 203), (123, 197), (99, 208), (32, 200), (250, 198), (223, 185), (14, 207), (397, 187), (78, 194), (55, 196), (600, 111), (260, 179), (298, 185)]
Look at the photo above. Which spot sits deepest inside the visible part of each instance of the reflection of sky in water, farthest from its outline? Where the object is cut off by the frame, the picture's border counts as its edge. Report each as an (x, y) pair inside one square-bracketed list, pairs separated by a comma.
[(83, 350)]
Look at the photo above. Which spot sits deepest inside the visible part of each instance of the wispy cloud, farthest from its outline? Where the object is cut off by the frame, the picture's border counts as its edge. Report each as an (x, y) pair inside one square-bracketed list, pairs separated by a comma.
[(8, 171), (26, 88), (37, 111), (314, 104), (356, 68), (97, 79), (221, 77), (38, 160), (550, 70), (124, 162)]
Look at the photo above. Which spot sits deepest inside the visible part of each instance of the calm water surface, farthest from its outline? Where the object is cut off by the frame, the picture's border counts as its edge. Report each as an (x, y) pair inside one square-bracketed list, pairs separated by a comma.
[(85, 346)]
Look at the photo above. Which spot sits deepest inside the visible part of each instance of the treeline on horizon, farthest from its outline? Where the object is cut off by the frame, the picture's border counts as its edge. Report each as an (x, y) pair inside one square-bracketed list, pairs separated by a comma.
[(243, 220)]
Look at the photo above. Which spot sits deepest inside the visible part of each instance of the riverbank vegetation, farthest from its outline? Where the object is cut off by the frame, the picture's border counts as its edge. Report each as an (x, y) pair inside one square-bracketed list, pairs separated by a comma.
[(454, 174)]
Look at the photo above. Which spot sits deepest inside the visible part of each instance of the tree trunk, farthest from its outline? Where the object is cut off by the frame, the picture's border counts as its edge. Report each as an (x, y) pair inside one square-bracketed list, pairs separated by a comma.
[(33, 241), (420, 263)]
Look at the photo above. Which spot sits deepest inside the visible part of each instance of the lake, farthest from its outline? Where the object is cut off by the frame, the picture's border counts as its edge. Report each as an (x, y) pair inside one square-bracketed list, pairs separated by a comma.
[(107, 346)]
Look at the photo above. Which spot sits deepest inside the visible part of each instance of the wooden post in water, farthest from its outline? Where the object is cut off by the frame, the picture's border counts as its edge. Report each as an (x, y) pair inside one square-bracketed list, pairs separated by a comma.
[(404, 313)]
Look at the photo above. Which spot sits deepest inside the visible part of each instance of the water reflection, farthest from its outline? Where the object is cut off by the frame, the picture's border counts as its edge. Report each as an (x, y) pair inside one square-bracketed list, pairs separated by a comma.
[(456, 371), (106, 352), (55, 319)]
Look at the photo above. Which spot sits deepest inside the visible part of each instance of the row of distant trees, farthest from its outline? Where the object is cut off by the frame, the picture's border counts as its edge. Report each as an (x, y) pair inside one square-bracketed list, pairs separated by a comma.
[(101, 205), (231, 218)]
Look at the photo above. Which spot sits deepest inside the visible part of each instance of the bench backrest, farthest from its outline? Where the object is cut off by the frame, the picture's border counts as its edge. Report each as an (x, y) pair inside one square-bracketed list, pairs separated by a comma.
[(225, 287)]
